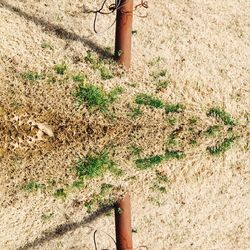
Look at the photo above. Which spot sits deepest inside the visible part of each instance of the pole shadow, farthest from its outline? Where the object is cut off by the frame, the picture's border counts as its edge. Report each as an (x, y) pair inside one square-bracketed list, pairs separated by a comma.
[(64, 228), (57, 30)]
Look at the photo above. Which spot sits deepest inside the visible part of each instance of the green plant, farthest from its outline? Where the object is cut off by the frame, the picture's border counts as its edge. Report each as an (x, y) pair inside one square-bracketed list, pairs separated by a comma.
[(78, 184), (89, 205), (221, 147), (162, 84), (114, 93), (32, 76), (172, 140), (174, 108), (105, 73), (135, 112), (95, 165), (159, 187), (221, 114), (96, 97), (149, 100), (33, 186), (60, 193), (151, 161), (193, 120), (60, 68), (193, 142), (213, 130), (79, 78), (136, 151), (105, 188), (162, 178), (47, 45), (172, 121)]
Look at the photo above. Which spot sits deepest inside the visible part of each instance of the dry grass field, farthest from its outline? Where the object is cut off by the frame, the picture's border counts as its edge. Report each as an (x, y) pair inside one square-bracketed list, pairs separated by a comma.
[(77, 131)]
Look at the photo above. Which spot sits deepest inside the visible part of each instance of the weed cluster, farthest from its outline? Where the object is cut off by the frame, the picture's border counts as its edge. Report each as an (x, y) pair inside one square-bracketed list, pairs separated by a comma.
[(221, 147), (221, 114), (152, 161), (33, 186), (94, 96), (95, 165), (154, 102), (60, 68), (32, 76)]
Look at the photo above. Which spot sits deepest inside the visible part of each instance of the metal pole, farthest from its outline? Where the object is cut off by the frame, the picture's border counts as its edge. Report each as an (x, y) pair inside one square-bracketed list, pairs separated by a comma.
[(123, 224), (123, 34)]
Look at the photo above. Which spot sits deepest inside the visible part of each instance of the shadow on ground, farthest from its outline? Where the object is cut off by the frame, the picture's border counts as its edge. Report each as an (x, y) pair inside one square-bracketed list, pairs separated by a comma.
[(64, 228), (57, 30)]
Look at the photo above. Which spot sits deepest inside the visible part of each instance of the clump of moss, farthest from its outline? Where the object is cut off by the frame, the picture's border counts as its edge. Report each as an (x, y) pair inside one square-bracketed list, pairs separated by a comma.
[(221, 114), (221, 147)]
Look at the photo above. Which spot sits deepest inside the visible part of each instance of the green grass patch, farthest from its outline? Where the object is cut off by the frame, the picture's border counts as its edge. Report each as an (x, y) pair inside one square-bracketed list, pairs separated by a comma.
[(33, 186), (79, 78), (152, 161), (162, 178), (32, 76), (61, 68), (149, 100), (78, 184), (213, 130), (96, 97), (221, 147), (154, 102), (222, 115), (105, 188), (136, 151), (95, 165), (135, 112), (60, 193), (174, 108)]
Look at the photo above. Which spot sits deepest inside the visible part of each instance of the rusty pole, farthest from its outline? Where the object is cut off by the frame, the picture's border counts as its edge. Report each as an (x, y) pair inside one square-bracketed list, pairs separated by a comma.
[(123, 224), (123, 36)]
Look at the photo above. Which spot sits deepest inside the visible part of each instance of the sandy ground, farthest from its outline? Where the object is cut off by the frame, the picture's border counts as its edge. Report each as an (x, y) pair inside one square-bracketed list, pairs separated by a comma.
[(205, 49)]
